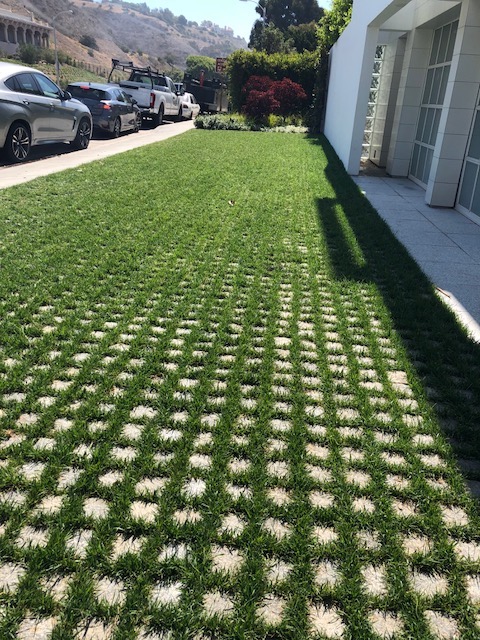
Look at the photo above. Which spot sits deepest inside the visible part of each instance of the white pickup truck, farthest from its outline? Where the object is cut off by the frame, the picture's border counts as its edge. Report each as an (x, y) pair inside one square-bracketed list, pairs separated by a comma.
[(154, 92)]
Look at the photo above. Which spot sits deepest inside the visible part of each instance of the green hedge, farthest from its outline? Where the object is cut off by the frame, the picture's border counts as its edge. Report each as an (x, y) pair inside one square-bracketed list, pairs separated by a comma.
[(299, 67)]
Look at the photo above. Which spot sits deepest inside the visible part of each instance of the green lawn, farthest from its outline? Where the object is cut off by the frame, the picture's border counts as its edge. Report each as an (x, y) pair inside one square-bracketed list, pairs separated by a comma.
[(228, 401)]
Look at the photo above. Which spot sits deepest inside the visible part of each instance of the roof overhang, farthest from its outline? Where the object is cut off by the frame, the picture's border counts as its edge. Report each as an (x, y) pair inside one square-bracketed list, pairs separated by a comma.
[(401, 15)]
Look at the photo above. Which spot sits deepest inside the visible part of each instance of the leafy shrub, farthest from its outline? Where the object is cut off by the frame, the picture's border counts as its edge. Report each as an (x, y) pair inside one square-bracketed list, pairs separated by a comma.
[(29, 53), (241, 65), (257, 83), (237, 122), (290, 96), (48, 55), (89, 41), (260, 104), (264, 96), (221, 122)]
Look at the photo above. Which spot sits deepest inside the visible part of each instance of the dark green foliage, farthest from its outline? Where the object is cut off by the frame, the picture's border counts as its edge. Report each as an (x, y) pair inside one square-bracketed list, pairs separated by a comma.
[(29, 53), (197, 64), (89, 41), (285, 13), (304, 36), (269, 39), (278, 32), (298, 67), (333, 23)]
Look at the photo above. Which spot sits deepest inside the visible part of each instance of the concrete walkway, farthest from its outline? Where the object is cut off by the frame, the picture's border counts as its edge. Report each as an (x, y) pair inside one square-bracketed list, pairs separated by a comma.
[(445, 243)]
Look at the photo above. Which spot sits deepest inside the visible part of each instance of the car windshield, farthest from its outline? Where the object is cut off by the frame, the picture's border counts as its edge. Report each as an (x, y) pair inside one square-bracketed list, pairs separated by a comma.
[(82, 92)]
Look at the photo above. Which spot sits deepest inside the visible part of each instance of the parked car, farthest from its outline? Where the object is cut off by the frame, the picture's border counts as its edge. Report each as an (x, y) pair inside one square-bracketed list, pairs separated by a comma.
[(113, 111), (154, 92), (34, 111), (190, 107)]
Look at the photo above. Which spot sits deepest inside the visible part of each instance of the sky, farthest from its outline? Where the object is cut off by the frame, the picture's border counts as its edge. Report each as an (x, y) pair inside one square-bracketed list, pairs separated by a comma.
[(237, 14)]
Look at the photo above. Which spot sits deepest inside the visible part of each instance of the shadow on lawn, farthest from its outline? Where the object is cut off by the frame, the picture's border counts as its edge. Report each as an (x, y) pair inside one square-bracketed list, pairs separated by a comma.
[(362, 248)]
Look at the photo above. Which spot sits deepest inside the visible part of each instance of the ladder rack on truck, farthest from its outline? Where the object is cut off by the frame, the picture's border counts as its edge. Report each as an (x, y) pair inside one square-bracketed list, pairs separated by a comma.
[(154, 92)]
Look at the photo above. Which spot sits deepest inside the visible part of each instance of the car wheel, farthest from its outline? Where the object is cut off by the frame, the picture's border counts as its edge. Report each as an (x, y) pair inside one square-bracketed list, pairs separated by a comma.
[(191, 115), (18, 142), (158, 117), (117, 127), (84, 133), (138, 123), (180, 114)]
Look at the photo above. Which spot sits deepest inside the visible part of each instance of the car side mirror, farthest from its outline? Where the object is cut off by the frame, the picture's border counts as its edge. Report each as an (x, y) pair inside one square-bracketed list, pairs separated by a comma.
[(134, 101), (66, 95)]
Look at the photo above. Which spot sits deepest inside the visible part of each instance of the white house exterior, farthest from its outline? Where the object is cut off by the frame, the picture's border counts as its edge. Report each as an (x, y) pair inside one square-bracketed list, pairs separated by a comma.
[(404, 93)]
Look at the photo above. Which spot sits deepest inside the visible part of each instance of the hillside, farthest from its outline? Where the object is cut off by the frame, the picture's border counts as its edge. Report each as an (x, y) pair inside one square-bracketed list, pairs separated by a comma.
[(126, 30)]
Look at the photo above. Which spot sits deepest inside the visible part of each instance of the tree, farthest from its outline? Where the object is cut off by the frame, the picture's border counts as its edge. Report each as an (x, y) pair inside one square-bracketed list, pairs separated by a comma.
[(333, 23), (196, 64), (285, 15), (304, 36), (269, 39)]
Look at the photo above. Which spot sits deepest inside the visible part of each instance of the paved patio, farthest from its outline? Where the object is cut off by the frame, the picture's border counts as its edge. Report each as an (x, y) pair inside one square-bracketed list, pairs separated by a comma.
[(445, 243)]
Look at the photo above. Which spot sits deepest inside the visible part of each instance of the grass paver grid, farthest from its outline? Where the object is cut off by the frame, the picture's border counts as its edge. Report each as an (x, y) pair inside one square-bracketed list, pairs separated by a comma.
[(214, 423)]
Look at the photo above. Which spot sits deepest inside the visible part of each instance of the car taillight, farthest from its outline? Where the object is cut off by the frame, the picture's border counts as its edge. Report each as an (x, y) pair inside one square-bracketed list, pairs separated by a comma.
[(105, 106), (152, 100)]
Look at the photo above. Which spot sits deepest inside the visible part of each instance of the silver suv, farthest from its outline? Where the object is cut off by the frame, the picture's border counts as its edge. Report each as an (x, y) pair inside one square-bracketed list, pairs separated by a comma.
[(33, 110)]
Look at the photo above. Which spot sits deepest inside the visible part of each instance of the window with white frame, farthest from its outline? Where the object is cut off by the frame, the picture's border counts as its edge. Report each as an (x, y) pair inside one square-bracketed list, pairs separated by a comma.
[(432, 102), (469, 195)]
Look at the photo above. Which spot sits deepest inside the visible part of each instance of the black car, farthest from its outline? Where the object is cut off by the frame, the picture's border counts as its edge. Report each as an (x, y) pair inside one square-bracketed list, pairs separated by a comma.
[(113, 111)]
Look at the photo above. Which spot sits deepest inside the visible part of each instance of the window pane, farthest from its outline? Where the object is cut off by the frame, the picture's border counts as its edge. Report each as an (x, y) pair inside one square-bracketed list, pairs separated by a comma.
[(428, 164), (474, 148), (27, 83), (413, 169), (428, 126), (421, 163), (443, 84), (476, 199), (49, 89), (436, 42), (428, 87), (442, 51), (436, 122), (421, 123), (451, 43), (437, 79), (468, 184)]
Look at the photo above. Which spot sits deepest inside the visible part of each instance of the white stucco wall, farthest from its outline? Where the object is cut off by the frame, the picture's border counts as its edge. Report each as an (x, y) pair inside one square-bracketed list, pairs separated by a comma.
[(351, 64)]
